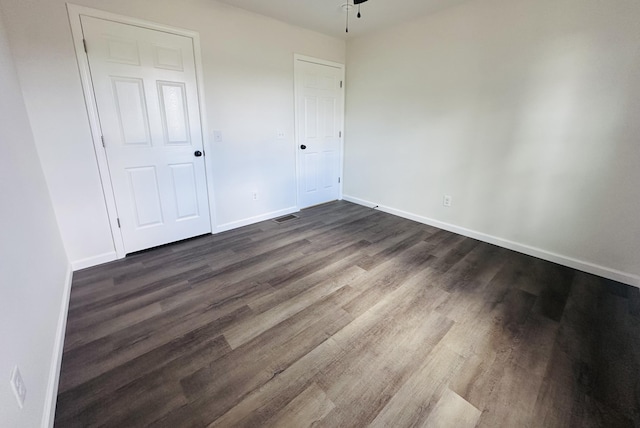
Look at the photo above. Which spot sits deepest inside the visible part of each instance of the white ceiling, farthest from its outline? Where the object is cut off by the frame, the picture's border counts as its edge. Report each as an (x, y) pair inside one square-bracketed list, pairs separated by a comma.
[(328, 17)]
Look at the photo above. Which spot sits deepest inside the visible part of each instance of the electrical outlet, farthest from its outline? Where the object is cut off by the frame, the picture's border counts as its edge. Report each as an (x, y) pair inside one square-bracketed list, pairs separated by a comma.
[(280, 134), (18, 386), (446, 200), (217, 136), (255, 196)]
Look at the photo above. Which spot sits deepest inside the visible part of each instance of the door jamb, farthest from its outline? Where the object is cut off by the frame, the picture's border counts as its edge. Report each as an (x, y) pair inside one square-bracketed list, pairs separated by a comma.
[(74, 12), (304, 58)]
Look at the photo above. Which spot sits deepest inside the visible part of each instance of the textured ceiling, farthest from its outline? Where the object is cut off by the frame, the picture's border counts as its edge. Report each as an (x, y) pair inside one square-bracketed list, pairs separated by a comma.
[(328, 17)]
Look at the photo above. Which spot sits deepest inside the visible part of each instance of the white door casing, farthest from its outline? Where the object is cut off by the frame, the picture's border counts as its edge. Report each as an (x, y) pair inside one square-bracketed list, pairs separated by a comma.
[(145, 88), (319, 108)]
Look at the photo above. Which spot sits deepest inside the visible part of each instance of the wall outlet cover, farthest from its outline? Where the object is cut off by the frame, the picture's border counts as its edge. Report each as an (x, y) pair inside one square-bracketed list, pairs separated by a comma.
[(18, 386)]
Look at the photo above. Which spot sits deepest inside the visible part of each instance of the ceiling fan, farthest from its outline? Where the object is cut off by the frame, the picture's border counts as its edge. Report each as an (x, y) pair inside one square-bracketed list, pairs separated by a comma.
[(347, 6)]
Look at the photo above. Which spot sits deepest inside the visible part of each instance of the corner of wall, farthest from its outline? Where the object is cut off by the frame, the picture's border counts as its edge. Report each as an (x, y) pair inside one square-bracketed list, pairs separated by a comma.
[(49, 412), (592, 268)]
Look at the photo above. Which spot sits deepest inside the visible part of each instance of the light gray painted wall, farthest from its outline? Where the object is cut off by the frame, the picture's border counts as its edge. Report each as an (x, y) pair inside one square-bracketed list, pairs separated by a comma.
[(33, 263), (526, 112)]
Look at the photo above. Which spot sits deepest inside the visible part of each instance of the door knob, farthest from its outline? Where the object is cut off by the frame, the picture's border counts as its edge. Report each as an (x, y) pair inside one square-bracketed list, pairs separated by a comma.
[(303, 147), (197, 153)]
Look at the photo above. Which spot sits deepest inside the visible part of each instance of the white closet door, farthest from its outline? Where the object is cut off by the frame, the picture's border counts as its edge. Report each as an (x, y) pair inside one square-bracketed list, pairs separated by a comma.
[(146, 92)]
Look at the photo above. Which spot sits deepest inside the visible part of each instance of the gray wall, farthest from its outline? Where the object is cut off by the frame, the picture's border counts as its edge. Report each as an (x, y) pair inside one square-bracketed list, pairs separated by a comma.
[(33, 265), (526, 112)]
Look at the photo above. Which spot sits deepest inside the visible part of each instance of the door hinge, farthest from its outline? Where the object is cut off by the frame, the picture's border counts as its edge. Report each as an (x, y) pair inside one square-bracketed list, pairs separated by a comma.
[(340, 81), (119, 223), (84, 43), (339, 180), (102, 139), (340, 134)]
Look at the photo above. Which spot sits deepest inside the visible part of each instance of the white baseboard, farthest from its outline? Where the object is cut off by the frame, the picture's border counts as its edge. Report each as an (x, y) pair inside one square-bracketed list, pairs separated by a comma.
[(595, 269), (111, 256), (94, 261), (49, 412), (256, 219)]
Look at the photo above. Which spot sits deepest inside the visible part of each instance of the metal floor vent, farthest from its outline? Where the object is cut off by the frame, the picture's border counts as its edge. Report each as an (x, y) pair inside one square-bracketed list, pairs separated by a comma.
[(285, 218)]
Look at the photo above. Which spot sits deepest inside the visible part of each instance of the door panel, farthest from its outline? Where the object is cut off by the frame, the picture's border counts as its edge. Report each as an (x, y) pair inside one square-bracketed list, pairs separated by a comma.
[(310, 166), (174, 112), (310, 117), (328, 169), (146, 94), (329, 116), (121, 51), (319, 113), (132, 111), (168, 58), (145, 196), (185, 190)]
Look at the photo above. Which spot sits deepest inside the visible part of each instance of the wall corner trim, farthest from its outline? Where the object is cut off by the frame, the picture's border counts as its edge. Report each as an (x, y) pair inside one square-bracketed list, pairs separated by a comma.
[(51, 398), (592, 268)]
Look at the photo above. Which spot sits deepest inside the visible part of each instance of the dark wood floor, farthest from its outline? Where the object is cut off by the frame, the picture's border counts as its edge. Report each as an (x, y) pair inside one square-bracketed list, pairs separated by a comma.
[(347, 317)]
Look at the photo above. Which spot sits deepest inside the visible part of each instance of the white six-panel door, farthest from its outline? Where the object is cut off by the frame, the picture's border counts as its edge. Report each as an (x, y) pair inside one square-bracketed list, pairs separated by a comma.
[(145, 89), (319, 107)]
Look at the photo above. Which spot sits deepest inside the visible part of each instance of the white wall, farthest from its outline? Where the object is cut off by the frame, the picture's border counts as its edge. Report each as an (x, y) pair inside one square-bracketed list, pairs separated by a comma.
[(248, 82), (527, 112), (33, 264)]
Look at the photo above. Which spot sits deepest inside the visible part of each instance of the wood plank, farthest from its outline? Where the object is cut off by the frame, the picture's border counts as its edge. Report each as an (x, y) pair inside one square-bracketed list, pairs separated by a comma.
[(416, 399), (214, 390), (311, 406), (393, 342), (453, 411), (347, 316), (259, 405), (241, 333)]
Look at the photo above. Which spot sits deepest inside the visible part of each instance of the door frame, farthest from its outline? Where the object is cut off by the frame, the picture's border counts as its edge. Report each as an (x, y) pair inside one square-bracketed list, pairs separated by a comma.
[(74, 12), (296, 78)]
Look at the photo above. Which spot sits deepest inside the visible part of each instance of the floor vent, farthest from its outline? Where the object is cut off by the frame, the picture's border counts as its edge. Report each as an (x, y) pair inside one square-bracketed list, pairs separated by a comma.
[(289, 217)]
